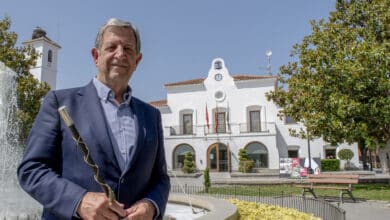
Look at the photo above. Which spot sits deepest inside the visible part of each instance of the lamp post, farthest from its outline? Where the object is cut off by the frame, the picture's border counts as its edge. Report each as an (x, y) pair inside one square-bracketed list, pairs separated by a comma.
[(309, 169), (268, 53)]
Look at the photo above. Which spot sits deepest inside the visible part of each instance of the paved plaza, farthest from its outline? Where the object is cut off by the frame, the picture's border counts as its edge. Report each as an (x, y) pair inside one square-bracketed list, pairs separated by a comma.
[(360, 210)]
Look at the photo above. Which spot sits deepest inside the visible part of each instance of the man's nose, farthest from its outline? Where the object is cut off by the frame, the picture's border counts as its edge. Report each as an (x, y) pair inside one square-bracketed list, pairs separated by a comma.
[(120, 52)]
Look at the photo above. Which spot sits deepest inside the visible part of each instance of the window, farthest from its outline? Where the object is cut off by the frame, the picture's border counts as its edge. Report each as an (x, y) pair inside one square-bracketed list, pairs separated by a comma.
[(289, 120), (220, 122), (218, 65), (187, 124), (293, 154), (179, 155), (254, 121), (330, 153), (258, 153), (50, 56)]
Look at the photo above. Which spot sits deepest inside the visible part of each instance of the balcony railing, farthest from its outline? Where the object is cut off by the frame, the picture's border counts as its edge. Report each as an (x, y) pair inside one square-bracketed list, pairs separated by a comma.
[(248, 128), (228, 129), (181, 130)]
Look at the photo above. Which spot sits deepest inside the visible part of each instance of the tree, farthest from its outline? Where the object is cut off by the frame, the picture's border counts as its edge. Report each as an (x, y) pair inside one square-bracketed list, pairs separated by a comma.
[(30, 91), (189, 164), (245, 164), (346, 154), (339, 87)]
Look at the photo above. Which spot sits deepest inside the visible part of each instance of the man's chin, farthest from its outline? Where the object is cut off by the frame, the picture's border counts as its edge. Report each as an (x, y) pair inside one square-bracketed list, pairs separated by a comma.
[(122, 75)]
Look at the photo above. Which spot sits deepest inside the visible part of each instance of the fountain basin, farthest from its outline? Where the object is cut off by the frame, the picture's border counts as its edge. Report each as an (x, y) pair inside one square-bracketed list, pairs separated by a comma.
[(215, 208)]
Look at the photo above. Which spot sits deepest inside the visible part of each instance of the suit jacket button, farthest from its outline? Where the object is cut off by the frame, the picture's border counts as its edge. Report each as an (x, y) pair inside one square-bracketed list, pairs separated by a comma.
[(122, 180)]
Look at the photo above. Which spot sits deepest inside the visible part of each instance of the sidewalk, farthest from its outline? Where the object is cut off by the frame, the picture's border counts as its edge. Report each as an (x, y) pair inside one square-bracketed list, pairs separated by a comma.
[(372, 210)]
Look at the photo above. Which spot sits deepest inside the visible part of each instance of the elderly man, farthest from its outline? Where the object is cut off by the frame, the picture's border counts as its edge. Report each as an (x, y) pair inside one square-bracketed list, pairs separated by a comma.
[(124, 136)]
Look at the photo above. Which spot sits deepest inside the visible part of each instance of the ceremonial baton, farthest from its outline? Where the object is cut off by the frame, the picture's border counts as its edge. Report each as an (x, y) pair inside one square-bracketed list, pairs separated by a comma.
[(87, 157)]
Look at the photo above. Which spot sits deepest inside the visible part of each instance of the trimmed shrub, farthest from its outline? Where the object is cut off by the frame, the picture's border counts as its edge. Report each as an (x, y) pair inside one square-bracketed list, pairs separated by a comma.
[(345, 154), (206, 180), (245, 165), (330, 165), (189, 165)]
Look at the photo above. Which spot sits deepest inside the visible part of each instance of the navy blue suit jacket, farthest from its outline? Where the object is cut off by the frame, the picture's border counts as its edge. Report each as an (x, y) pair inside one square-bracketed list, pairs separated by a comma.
[(53, 170)]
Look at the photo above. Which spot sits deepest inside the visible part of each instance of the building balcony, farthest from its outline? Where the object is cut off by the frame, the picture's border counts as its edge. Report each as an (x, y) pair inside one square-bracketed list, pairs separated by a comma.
[(181, 130), (228, 129), (257, 128)]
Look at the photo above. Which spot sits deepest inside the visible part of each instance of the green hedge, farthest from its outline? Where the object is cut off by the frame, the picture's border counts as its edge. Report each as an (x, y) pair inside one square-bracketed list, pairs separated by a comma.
[(330, 165)]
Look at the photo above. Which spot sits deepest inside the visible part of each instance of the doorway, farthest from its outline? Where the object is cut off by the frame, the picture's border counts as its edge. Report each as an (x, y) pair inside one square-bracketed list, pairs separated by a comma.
[(218, 158)]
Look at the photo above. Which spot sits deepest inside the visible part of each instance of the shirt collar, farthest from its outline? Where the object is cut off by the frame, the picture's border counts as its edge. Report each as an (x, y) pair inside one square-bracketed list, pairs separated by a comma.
[(106, 94)]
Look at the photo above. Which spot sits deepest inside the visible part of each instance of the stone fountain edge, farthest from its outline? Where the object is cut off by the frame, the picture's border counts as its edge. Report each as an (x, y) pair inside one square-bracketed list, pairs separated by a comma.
[(218, 208)]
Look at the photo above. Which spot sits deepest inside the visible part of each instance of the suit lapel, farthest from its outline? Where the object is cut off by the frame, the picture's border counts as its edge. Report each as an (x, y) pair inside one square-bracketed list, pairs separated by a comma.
[(93, 125)]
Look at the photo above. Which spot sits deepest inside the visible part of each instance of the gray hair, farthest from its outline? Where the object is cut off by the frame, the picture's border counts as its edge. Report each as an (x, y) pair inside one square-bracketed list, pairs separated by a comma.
[(118, 23)]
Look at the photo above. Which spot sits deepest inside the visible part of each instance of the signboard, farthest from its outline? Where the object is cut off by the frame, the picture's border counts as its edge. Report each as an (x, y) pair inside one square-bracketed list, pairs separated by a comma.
[(285, 167), (292, 168)]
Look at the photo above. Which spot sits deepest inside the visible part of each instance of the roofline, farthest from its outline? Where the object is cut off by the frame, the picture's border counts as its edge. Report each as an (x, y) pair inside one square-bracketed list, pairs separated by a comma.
[(243, 77), (44, 39)]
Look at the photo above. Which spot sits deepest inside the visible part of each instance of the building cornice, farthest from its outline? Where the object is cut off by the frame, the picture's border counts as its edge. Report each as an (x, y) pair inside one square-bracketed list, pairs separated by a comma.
[(46, 39)]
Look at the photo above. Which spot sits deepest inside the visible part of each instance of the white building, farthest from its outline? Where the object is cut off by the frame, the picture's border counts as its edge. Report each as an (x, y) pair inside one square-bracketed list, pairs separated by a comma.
[(216, 116), (45, 69)]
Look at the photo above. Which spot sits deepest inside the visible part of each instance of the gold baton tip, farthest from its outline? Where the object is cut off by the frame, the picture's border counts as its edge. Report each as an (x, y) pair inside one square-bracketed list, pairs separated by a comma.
[(65, 115)]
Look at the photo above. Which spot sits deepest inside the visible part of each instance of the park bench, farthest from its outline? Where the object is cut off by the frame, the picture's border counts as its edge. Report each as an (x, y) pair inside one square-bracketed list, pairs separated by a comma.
[(342, 182)]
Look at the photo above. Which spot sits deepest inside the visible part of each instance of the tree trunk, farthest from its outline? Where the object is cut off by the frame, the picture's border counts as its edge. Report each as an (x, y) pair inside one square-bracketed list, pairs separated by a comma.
[(384, 156), (363, 151)]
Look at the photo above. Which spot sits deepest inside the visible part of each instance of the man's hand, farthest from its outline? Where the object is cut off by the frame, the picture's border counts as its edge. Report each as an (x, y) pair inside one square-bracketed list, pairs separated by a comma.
[(143, 209), (96, 206)]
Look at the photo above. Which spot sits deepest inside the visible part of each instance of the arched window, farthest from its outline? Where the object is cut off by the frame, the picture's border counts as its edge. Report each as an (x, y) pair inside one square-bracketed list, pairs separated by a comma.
[(50, 56), (179, 154), (258, 153)]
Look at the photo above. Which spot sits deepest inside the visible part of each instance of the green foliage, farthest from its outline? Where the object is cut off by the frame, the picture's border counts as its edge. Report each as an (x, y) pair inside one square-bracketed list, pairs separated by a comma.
[(29, 90), (339, 87), (206, 180), (242, 155), (360, 191), (245, 164), (330, 165), (345, 154), (253, 210), (30, 93), (189, 164)]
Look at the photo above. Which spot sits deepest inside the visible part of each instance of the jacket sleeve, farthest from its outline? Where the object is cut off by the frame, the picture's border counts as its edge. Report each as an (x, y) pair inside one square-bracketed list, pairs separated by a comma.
[(39, 172), (160, 190)]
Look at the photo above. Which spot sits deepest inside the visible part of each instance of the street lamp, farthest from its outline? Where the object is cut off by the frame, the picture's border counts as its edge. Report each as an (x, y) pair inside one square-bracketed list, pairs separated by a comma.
[(309, 169), (268, 53)]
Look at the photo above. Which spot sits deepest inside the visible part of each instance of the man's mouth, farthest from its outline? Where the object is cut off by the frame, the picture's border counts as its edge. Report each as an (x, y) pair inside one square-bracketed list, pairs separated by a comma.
[(120, 65)]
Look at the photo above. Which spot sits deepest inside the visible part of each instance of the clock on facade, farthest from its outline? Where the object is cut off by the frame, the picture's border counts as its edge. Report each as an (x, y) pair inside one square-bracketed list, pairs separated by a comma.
[(218, 77)]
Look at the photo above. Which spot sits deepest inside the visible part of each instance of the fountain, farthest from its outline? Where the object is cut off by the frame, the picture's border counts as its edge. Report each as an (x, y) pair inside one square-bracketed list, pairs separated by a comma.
[(14, 202), (182, 206)]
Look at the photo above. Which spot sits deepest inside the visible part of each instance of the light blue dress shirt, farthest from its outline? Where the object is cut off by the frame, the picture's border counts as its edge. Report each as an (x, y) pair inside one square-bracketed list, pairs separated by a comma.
[(120, 119)]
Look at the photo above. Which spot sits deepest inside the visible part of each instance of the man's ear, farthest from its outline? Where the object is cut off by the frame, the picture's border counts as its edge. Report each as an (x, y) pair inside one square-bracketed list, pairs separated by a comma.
[(139, 58), (95, 55)]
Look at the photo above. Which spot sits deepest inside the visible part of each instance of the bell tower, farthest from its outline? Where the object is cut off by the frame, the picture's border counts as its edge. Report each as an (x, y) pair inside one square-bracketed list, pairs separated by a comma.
[(45, 69)]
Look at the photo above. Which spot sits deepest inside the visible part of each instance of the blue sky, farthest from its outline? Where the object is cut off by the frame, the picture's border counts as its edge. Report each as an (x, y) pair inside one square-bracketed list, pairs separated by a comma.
[(180, 38)]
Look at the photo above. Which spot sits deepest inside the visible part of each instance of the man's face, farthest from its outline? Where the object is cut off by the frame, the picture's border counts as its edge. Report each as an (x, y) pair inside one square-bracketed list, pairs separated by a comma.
[(117, 57)]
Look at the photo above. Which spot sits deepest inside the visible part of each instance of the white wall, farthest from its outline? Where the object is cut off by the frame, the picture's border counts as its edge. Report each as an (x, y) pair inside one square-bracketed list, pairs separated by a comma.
[(237, 97)]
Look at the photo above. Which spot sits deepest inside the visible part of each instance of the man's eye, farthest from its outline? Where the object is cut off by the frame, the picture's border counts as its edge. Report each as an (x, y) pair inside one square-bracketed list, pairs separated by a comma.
[(128, 49)]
